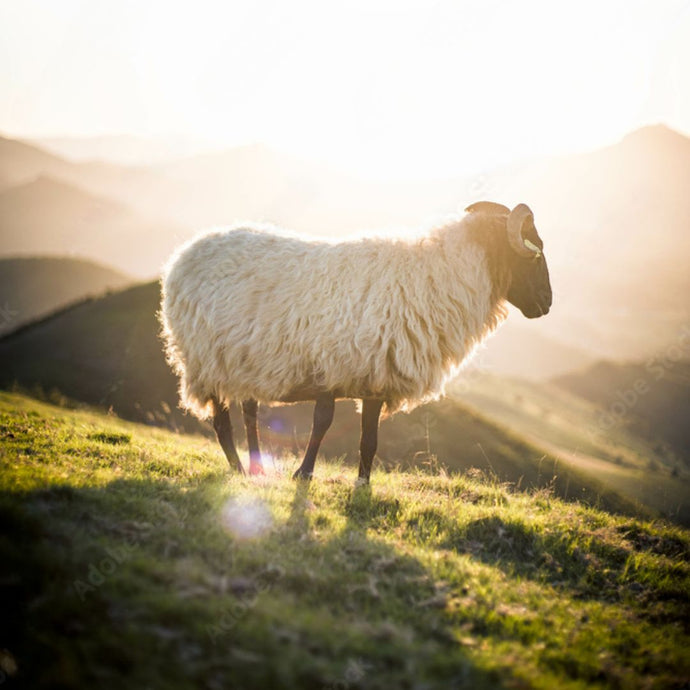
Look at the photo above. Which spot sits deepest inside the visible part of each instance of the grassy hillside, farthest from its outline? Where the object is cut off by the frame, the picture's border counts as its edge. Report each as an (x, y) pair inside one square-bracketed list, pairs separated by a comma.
[(130, 555), (106, 352), (653, 398), (623, 457), (33, 287)]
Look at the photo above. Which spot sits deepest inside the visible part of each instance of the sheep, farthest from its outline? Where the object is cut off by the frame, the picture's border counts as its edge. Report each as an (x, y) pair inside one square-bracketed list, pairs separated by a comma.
[(253, 315)]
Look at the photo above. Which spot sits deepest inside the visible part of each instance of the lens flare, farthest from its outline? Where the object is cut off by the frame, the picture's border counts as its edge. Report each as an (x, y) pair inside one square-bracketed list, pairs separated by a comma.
[(246, 517)]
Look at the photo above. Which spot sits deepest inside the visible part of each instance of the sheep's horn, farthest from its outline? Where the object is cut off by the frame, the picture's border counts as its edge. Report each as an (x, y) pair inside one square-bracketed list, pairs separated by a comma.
[(516, 220), (488, 207)]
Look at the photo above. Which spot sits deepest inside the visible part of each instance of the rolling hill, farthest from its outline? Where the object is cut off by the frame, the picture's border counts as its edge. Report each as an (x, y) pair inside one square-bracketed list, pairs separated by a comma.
[(651, 397), (34, 287), (106, 352), (101, 351), (130, 552), (50, 216), (21, 162), (638, 463), (118, 149)]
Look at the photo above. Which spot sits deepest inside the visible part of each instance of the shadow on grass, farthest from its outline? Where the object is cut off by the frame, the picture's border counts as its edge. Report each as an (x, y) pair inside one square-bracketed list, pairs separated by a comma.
[(139, 582), (587, 566), (142, 582)]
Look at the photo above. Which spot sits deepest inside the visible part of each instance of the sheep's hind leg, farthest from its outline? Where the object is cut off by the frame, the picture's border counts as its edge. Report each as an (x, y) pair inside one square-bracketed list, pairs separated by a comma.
[(323, 416), (223, 428), (249, 412), (371, 409)]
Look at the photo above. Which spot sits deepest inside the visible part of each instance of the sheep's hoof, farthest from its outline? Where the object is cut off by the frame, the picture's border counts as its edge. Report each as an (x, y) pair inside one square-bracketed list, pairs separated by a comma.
[(301, 474)]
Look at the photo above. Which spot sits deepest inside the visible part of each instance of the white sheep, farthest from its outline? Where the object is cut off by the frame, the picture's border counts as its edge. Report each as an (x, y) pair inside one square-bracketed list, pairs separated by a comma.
[(254, 316)]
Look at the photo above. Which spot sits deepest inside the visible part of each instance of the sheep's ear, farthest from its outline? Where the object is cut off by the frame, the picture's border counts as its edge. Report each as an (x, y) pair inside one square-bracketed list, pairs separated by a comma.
[(488, 207)]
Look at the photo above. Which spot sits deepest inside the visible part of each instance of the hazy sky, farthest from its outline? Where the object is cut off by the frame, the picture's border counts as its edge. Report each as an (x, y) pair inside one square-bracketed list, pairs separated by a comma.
[(402, 88)]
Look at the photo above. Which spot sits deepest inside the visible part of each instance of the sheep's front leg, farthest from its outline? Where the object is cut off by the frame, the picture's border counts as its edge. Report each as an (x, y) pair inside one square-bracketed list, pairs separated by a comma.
[(371, 410), (249, 412), (223, 428), (323, 416)]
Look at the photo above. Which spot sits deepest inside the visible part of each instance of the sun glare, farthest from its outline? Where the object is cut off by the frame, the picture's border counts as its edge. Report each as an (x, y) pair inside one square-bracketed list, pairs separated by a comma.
[(246, 517), (392, 90)]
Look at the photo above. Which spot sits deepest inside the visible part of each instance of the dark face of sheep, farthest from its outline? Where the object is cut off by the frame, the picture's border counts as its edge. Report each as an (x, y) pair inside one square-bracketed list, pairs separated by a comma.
[(516, 251), (530, 288)]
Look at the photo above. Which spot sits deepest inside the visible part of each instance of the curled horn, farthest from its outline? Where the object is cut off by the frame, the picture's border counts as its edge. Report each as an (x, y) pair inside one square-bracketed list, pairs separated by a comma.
[(516, 220), (488, 207)]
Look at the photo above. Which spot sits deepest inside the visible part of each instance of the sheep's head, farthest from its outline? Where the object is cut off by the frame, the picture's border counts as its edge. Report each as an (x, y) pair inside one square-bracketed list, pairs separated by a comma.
[(521, 251)]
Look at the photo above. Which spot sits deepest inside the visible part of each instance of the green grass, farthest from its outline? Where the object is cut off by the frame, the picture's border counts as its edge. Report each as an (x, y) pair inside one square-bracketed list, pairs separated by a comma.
[(132, 557), (568, 428)]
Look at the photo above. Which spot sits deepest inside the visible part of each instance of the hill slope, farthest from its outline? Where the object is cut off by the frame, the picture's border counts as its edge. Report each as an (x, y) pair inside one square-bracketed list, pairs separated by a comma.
[(147, 561), (653, 398), (34, 287), (107, 352), (50, 216), (120, 149), (623, 457), (103, 351), (21, 162)]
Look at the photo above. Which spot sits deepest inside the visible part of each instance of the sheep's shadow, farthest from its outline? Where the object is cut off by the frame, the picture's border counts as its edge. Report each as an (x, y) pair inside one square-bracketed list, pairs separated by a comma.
[(140, 580)]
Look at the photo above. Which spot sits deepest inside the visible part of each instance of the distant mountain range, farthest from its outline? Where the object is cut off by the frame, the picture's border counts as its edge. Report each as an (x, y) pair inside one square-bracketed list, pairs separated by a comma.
[(31, 288), (49, 216), (617, 228), (615, 223), (120, 149)]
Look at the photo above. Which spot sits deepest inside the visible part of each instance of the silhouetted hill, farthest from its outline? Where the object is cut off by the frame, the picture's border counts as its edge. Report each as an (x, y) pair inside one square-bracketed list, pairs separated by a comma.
[(33, 287), (119, 149), (48, 215), (653, 398), (21, 162), (102, 351)]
